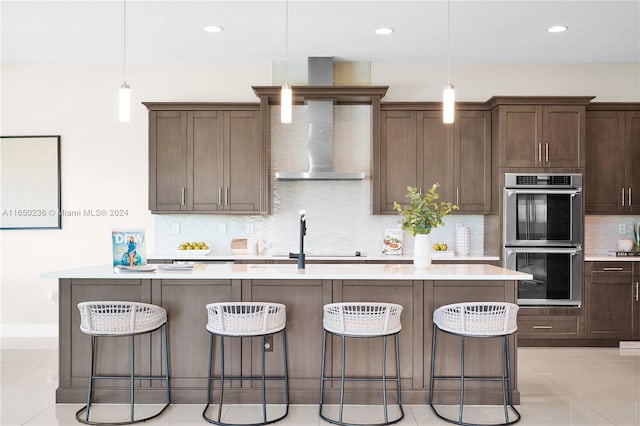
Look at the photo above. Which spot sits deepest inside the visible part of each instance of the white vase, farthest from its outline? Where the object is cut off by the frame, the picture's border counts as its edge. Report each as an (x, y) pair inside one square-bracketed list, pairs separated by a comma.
[(422, 251)]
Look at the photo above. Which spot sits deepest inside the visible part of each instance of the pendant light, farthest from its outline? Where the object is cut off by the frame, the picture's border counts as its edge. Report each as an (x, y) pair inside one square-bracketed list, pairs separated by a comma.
[(448, 95), (286, 95), (124, 95)]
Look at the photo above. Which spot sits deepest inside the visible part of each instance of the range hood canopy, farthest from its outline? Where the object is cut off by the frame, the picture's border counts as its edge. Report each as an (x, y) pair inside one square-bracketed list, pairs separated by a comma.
[(320, 130)]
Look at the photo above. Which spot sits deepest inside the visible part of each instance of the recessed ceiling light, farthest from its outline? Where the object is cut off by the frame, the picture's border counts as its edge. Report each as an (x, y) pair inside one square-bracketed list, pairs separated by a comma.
[(383, 31), (557, 29), (213, 29)]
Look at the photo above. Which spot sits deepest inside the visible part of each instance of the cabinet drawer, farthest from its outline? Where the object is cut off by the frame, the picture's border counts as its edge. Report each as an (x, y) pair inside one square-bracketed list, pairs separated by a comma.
[(612, 267), (548, 326)]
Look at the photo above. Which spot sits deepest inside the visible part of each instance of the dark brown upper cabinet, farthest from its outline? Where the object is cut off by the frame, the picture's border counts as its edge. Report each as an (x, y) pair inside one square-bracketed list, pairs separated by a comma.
[(540, 132), (207, 158), (612, 150), (417, 149)]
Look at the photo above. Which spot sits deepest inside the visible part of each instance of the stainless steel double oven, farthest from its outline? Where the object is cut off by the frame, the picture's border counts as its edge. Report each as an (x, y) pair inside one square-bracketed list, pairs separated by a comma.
[(543, 236)]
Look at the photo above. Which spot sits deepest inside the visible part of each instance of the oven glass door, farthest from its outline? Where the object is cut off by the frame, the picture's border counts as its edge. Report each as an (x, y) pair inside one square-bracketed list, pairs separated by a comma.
[(557, 275), (535, 217)]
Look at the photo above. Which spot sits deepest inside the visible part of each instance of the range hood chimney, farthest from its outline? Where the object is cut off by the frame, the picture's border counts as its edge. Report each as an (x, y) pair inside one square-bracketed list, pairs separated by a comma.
[(320, 133)]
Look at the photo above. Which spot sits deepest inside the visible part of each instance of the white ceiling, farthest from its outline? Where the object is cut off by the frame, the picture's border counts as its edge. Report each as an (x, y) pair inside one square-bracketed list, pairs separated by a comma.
[(485, 31)]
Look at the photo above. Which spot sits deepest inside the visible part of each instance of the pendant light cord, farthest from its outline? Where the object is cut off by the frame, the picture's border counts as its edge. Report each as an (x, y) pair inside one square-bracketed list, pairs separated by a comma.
[(448, 41), (286, 42), (124, 41)]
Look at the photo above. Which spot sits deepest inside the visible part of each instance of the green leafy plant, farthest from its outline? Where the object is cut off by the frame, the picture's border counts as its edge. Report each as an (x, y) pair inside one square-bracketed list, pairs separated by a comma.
[(636, 237), (423, 212)]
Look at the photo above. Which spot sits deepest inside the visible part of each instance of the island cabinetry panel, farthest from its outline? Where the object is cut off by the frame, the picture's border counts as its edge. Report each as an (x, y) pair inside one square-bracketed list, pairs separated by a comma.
[(540, 132), (417, 149), (612, 150), (482, 356), (363, 357), (207, 158), (185, 302), (609, 300), (636, 301), (75, 346), (304, 301)]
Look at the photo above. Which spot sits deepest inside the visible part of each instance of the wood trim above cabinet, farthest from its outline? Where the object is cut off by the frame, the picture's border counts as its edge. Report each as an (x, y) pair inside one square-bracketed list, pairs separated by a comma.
[(432, 106), (201, 106), (341, 95), (613, 106), (495, 101)]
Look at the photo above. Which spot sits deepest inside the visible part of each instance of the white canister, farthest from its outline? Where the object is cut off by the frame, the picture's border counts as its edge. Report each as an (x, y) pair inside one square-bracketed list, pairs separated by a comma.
[(462, 241)]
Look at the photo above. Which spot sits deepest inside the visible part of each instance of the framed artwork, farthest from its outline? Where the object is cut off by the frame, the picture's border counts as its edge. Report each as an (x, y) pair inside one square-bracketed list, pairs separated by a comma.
[(30, 182)]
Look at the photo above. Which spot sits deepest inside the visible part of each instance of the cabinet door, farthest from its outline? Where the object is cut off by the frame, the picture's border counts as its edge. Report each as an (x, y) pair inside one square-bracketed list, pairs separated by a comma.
[(398, 161), (632, 155), (604, 175), (243, 175), (472, 161), (610, 301), (205, 160), (520, 136), (167, 160), (563, 128), (435, 153), (636, 301)]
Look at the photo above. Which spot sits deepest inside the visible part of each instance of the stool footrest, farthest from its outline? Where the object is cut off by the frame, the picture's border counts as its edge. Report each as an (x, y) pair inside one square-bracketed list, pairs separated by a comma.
[(248, 378), (472, 378), (363, 379), (455, 422), (128, 422)]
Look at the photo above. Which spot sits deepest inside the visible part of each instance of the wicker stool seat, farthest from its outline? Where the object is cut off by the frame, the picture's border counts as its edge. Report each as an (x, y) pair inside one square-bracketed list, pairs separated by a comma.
[(362, 320), (477, 320), (246, 319), (116, 318)]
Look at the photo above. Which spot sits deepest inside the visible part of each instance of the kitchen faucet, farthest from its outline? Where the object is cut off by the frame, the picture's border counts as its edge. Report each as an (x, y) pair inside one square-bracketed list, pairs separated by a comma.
[(303, 231)]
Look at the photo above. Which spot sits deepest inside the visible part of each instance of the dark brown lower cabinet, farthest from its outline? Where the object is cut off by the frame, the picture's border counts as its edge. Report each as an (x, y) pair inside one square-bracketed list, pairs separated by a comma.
[(610, 300)]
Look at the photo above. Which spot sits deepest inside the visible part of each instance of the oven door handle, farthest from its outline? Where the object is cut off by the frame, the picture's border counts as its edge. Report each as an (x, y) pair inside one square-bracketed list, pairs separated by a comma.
[(572, 192), (572, 251)]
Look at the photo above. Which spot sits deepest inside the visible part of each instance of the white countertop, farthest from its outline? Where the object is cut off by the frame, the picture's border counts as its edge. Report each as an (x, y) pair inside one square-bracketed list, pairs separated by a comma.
[(185, 255), (312, 272), (610, 258)]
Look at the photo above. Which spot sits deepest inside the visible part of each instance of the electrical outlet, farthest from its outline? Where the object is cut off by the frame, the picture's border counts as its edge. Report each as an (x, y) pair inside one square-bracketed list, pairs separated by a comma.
[(52, 297), (459, 225), (250, 229), (223, 228), (268, 343), (622, 229), (175, 228)]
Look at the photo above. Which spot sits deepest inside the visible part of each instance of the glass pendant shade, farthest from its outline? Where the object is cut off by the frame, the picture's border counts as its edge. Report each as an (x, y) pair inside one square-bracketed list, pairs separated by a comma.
[(448, 103), (286, 101), (124, 105)]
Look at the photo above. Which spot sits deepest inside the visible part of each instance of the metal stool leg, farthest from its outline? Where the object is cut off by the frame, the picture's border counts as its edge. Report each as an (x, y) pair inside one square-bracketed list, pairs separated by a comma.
[(286, 372), (342, 367), (398, 377), (90, 391), (461, 378), (324, 348), (221, 377), (209, 376), (504, 374), (165, 341), (384, 378), (433, 363), (264, 391), (133, 374)]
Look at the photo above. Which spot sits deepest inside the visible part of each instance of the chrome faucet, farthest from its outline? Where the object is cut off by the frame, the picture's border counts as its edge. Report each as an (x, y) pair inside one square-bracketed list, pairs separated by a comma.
[(303, 231)]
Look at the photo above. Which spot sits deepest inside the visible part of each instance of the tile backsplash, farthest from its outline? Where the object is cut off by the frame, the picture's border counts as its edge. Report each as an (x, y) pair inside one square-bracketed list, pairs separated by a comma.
[(602, 232)]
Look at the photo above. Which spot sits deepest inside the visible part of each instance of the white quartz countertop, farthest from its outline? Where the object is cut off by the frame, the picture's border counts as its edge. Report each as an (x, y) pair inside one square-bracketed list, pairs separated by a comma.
[(185, 255), (610, 258), (312, 272)]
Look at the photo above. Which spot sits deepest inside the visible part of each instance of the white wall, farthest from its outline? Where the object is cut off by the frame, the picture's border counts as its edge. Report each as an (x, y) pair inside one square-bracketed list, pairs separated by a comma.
[(104, 162)]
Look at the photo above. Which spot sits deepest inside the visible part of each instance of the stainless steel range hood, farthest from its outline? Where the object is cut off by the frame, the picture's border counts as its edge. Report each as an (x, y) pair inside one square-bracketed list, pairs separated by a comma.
[(320, 132)]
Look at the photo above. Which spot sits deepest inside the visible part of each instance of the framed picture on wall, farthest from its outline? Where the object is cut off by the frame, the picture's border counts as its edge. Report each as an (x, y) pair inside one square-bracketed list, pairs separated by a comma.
[(30, 182)]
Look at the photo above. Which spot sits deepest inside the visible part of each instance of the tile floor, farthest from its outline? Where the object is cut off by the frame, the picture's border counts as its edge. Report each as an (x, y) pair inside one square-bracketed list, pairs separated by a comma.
[(559, 386)]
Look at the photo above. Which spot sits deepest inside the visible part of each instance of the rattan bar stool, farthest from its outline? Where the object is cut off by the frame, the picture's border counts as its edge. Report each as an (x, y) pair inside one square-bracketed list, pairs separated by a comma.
[(357, 320), (112, 319), (246, 319), (477, 320)]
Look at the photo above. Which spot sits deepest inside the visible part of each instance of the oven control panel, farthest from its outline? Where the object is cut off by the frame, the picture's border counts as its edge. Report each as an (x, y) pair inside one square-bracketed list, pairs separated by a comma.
[(548, 180)]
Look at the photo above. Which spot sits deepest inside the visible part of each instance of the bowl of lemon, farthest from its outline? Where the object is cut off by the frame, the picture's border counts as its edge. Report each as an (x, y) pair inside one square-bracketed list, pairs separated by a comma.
[(194, 248)]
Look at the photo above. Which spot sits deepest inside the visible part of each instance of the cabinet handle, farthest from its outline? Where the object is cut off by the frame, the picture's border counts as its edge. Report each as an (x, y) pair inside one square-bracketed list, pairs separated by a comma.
[(637, 291), (226, 196), (546, 152), (612, 269), (622, 197), (543, 327), (457, 196), (629, 196), (219, 195), (183, 196), (539, 152)]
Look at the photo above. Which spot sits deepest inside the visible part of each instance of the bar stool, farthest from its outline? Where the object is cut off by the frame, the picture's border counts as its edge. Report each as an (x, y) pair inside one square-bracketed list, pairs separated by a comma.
[(246, 319), (362, 319), (478, 320), (112, 319)]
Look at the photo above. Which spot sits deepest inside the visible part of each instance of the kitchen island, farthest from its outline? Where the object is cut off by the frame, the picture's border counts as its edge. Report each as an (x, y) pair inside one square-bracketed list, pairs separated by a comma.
[(184, 295)]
